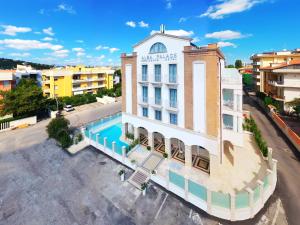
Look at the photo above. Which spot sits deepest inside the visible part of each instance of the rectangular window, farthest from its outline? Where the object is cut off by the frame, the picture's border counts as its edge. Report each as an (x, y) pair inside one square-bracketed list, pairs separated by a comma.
[(228, 121), (173, 118), (173, 98), (157, 73), (6, 83), (172, 73), (145, 94), (144, 73), (145, 112), (157, 96), (55, 87), (157, 114)]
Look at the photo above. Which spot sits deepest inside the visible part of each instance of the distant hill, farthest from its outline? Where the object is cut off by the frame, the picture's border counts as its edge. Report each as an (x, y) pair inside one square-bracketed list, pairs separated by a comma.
[(12, 64)]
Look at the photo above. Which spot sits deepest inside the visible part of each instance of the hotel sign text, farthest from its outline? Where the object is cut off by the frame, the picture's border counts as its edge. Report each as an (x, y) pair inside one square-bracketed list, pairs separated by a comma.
[(159, 57)]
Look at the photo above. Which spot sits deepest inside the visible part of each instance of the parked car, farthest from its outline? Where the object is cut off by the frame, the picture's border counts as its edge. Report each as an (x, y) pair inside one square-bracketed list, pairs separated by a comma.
[(68, 108)]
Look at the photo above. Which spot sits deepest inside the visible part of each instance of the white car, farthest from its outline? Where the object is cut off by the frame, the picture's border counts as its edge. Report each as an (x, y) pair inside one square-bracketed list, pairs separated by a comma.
[(68, 108)]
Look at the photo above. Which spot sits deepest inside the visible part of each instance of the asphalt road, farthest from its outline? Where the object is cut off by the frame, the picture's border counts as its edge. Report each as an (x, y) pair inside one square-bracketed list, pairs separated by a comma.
[(288, 185)]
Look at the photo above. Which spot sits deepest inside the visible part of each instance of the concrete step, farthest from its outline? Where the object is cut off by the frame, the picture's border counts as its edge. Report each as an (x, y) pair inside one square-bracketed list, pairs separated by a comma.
[(139, 177)]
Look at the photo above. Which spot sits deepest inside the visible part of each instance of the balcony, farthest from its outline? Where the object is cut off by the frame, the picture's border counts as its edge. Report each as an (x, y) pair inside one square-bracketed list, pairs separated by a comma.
[(171, 106), (256, 63), (74, 81), (87, 88), (276, 83), (46, 91), (46, 81)]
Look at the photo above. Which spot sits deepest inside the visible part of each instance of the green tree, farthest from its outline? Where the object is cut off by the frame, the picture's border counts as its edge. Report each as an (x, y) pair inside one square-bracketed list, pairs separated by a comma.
[(295, 104), (25, 100), (238, 63), (56, 126), (230, 66)]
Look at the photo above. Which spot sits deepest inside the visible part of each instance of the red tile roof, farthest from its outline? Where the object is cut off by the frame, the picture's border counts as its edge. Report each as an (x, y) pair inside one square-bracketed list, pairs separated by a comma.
[(285, 64)]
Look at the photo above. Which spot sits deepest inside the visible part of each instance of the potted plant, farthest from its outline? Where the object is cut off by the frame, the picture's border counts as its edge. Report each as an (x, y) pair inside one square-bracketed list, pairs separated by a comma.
[(148, 148), (122, 174), (144, 187), (165, 155)]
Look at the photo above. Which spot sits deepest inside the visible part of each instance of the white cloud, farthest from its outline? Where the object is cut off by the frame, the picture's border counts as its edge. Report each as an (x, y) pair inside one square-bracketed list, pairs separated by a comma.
[(181, 33), (100, 47), (21, 44), (63, 53), (196, 39), (131, 23), (226, 35), (37, 32), (182, 19), (112, 50), (49, 31), (13, 30), (143, 24), (79, 54), (226, 7), (47, 39), (66, 8), (77, 49), (25, 54), (79, 41), (222, 44), (169, 4)]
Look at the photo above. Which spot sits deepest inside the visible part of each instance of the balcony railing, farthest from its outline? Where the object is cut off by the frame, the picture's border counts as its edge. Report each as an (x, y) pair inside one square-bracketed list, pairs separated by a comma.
[(275, 83), (87, 80), (228, 104)]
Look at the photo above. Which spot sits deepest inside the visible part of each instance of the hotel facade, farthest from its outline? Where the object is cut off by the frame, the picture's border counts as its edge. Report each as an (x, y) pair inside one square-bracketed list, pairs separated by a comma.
[(185, 109), (173, 91)]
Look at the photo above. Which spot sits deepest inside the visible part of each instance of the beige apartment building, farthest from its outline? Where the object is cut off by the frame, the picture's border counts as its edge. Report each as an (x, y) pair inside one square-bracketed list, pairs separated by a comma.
[(267, 59)]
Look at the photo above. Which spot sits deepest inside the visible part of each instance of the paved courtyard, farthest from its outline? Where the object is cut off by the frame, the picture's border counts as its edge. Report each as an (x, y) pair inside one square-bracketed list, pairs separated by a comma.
[(42, 184)]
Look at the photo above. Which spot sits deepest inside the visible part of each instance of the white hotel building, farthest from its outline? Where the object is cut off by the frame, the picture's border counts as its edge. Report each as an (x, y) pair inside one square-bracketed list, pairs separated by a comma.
[(180, 95), (185, 109)]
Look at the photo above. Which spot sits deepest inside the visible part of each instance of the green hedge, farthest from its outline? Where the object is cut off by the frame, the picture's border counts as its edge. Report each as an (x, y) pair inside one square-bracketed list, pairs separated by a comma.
[(251, 126)]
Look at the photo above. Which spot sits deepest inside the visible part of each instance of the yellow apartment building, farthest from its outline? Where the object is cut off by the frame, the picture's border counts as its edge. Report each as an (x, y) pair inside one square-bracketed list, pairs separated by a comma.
[(267, 59), (69, 81)]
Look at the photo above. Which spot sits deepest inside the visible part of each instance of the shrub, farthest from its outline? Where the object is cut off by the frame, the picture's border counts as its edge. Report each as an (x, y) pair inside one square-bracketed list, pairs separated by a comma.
[(121, 172), (144, 186), (64, 139), (129, 136), (148, 148), (56, 125), (165, 155)]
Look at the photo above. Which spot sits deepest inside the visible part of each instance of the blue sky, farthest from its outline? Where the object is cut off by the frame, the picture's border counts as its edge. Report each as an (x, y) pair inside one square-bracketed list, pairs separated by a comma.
[(96, 32)]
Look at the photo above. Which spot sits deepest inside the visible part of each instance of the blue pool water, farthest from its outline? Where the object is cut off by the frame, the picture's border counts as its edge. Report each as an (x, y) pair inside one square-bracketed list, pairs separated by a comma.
[(112, 133)]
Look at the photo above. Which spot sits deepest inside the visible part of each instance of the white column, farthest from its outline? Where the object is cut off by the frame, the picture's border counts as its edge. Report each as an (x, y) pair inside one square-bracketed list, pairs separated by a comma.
[(105, 142), (123, 153), (167, 179), (90, 136), (136, 133), (186, 187), (232, 206), (150, 140), (251, 201), (261, 191), (113, 147), (208, 201), (168, 147), (97, 138), (188, 155), (274, 169)]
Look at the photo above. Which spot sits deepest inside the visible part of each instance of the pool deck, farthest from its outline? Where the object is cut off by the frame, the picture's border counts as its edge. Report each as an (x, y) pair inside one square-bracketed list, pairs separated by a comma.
[(227, 178)]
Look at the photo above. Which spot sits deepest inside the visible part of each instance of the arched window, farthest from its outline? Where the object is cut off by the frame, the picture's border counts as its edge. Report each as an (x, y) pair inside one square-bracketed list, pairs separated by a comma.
[(158, 48)]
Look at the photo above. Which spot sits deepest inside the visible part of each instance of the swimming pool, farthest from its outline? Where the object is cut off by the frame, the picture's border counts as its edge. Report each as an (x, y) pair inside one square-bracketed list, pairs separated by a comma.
[(112, 133)]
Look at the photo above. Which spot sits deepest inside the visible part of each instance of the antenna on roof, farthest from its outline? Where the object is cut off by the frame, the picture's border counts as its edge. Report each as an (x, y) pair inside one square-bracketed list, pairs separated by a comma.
[(162, 28)]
